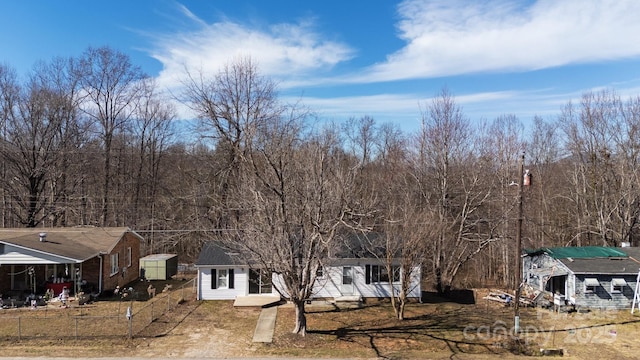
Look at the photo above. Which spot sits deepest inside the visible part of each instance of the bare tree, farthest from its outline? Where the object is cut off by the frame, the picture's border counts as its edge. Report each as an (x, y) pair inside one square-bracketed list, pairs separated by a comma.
[(9, 100), (628, 154), (361, 134), (231, 107), (152, 131), (41, 129), (402, 225), (451, 176), (111, 85), (504, 142), (294, 201), (281, 197), (545, 201), (61, 80), (591, 130)]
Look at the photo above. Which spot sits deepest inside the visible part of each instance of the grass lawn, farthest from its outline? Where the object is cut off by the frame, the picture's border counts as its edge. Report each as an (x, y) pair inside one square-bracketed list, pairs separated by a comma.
[(437, 329)]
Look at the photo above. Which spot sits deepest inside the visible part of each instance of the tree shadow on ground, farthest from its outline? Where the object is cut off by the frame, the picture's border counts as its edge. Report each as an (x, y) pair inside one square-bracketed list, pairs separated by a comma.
[(333, 307), (442, 329), (458, 296)]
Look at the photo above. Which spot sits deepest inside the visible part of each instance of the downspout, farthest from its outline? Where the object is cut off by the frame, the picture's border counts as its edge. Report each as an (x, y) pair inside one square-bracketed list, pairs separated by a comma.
[(198, 286), (100, 255)]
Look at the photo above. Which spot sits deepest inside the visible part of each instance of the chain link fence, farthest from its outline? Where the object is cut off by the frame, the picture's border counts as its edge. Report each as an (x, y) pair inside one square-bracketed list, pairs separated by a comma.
[(101, 319)]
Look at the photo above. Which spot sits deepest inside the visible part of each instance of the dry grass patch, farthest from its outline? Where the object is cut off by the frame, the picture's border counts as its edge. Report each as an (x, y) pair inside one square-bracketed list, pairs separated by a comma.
[(373, 332), (439, 329)]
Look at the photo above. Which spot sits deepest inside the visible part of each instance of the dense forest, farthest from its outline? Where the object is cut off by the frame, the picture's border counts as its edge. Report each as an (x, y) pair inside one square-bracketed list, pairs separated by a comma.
[(92, 140)]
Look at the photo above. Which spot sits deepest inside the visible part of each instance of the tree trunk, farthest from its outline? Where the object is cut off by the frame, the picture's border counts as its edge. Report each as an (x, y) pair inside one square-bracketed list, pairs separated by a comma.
[(301, 318), (401, 306)]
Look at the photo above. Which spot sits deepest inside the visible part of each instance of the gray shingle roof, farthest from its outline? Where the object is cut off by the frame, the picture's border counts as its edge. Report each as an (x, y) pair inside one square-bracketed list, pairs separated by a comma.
[(79, 243), (602, 266), (349, 247), (214, 253)]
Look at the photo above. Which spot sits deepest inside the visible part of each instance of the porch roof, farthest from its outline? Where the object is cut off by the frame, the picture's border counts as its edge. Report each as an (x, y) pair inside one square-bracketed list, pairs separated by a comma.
[(76, 244)]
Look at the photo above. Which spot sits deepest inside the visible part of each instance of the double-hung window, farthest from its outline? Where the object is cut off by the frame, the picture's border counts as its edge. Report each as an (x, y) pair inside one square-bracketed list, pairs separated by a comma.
[(114, 264), (222, 279), (128, 260)]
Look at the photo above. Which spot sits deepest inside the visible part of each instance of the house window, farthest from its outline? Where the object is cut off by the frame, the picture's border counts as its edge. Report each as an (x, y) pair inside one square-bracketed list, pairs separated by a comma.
[(128, 257), (378, 274), (590, 285), (617, 285), (222, 279), (347, 275), (320, 272), (114, 264)]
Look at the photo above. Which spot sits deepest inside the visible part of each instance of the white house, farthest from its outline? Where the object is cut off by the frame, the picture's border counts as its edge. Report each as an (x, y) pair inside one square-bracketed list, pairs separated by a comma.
[(222, 276)]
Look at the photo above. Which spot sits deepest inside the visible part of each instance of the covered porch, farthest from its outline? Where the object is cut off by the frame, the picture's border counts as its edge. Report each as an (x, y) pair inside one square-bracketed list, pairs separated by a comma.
[(23, 275)]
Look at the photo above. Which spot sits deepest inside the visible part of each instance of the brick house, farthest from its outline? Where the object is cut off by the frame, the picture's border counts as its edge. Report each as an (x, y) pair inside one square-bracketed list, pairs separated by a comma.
[(79, 258)]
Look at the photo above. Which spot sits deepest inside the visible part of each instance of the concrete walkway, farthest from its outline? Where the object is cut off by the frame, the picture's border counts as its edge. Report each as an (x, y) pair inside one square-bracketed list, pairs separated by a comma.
[(256, 301), (266, 325)]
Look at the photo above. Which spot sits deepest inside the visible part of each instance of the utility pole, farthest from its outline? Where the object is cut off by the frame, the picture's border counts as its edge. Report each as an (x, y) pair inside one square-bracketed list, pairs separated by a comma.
[(516, 327)]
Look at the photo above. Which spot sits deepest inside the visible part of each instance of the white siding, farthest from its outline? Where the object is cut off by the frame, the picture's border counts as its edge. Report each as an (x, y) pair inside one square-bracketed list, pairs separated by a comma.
[(330, 284), (16, 256), (205, 292)]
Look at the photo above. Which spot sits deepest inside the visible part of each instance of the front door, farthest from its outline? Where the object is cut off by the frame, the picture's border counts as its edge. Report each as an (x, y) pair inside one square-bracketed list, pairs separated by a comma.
[(259, 282), (347, 280), (557, 285)]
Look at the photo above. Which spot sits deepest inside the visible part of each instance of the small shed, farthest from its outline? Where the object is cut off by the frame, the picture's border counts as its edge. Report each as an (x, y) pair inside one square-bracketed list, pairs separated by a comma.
[(159, 266)]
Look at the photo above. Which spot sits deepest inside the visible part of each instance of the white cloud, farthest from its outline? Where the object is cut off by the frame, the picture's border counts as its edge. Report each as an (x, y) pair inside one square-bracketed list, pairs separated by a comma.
[(443, 38), (282, 50), (405, 109), (449, 37)]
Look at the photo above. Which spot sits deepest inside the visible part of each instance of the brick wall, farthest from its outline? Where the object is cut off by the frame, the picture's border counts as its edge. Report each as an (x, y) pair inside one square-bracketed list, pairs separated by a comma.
[(130, 272)]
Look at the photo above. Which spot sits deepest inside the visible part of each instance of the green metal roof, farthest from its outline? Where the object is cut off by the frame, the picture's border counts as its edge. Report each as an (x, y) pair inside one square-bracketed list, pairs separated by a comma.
[(583, 252)]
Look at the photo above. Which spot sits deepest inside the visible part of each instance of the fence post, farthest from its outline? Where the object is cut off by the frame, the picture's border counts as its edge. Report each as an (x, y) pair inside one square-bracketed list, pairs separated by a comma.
[(130, 319), (76, 326), (151, 314), (19, 329), (168, 301)]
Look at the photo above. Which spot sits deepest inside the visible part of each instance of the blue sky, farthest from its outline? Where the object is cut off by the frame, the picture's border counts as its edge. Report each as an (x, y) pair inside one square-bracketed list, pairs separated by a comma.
[(381, 58)]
